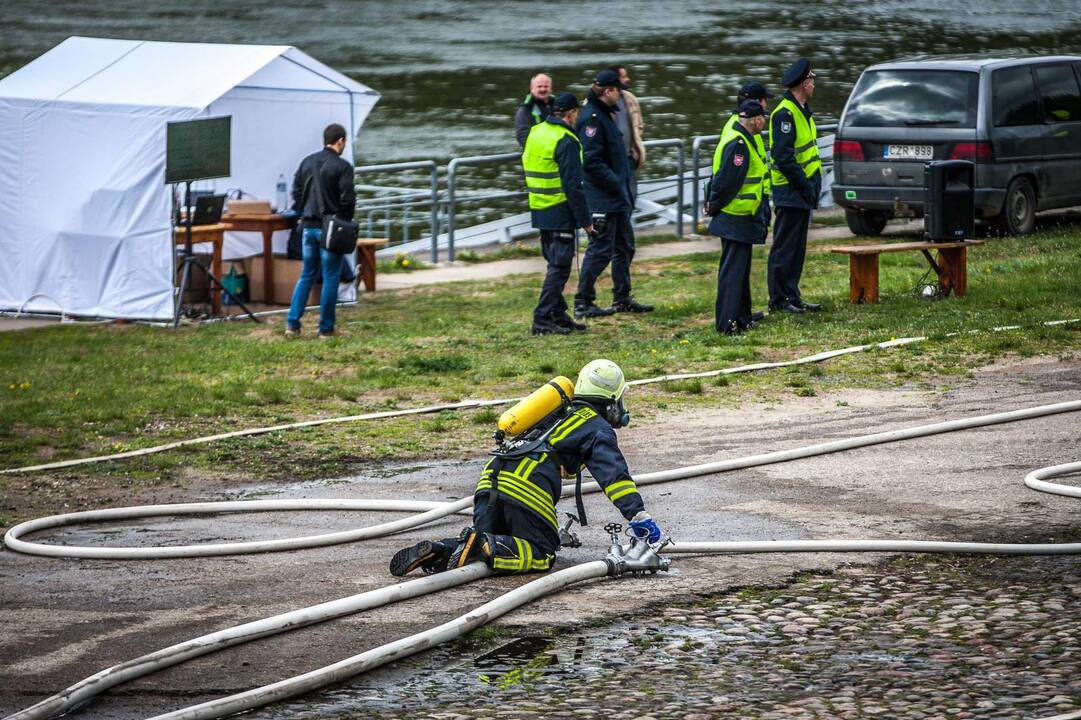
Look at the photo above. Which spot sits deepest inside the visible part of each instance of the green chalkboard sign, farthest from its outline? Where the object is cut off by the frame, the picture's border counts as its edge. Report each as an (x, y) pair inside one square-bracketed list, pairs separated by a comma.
[(197, 149)]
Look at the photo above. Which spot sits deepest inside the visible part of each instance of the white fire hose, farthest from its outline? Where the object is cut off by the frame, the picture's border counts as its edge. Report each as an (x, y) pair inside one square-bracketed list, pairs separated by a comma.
[(99, 682)]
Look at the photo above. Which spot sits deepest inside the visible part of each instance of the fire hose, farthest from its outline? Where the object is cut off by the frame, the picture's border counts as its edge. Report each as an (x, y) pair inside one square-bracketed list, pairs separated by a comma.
[(640, 557)]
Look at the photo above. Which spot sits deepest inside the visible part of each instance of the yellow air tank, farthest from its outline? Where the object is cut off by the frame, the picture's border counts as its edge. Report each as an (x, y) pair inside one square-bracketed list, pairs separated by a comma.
[(541, 403)]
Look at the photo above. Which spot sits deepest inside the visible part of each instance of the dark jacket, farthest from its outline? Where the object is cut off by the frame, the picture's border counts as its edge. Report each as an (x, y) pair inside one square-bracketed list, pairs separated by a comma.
[(609, 176), (574, 213), (801, 191), (338, 196), (723, 188), (527, 116)]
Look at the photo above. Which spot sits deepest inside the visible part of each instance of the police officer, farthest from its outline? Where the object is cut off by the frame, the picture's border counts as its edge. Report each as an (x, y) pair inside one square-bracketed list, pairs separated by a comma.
[(517, 530), (552, 162), (609, 192), (752, 90), (796, 180), (736, 202)]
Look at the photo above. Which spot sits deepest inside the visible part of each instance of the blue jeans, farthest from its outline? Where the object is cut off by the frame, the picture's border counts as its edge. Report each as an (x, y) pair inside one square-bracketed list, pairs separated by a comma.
[(314, 256)]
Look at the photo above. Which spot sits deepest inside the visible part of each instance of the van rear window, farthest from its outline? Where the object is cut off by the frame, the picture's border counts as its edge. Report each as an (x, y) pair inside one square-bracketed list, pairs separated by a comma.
[(914, 98)]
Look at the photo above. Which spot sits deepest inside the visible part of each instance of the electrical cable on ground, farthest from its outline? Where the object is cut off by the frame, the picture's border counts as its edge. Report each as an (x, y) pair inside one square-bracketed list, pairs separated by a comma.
[(473, 404), (93, 685)]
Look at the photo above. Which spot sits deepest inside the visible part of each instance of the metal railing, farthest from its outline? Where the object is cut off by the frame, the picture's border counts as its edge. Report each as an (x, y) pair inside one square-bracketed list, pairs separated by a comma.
[(445, 206), (452, 186), (404, 198)]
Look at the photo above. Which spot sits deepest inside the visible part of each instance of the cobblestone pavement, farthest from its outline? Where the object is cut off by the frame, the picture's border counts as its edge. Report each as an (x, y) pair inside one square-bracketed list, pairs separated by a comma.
[(921, 637)]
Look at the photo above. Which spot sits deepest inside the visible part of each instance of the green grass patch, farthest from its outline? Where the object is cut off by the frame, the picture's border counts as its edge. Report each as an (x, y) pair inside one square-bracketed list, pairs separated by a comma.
[(71, 390)]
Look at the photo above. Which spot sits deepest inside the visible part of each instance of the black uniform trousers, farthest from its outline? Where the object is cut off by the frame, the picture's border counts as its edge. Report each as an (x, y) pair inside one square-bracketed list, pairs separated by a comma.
[(615, 245), (558, 249), (506, 523), (733, 311), (786, 256)]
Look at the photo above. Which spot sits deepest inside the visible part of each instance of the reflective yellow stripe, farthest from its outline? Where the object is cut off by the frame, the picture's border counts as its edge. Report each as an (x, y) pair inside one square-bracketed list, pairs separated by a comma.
[(512, 489), (624, 492), (505, 564), (570, 425), (543, 564), (617, 486), (525, 551)]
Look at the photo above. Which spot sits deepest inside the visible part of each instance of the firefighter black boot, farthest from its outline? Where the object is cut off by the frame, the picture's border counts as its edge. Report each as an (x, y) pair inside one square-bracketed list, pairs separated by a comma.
[(429, 556), (472, 545)]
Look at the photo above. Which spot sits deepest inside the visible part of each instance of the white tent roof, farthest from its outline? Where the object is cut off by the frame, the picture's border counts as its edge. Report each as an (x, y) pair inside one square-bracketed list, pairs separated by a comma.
[(166, 74), (84, 211)]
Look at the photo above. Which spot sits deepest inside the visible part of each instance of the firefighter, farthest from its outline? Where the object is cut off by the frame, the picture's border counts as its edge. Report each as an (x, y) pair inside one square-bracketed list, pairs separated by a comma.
[(515, 528)]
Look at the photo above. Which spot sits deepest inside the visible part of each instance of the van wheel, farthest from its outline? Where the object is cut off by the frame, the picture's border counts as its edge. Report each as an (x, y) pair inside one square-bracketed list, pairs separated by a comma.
[(1018, 216), (866, 223)]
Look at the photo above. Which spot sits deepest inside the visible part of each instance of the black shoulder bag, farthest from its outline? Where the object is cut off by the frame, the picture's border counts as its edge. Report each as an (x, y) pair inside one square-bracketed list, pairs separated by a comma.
[(339, 236)]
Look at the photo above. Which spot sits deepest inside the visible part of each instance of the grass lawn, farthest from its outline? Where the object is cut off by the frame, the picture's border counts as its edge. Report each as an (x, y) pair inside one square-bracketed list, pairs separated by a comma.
[(70, 391)]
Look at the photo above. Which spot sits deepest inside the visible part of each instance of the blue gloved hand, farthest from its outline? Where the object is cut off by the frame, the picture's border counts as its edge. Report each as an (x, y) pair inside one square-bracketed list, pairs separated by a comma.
[(643, 527)]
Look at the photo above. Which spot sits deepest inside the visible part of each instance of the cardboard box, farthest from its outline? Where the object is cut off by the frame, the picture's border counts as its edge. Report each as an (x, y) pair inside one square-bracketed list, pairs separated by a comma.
[(249, 207), (286, 274)]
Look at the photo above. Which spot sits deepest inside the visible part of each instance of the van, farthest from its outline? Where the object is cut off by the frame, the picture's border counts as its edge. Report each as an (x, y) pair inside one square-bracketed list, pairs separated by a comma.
[(1018, 119)]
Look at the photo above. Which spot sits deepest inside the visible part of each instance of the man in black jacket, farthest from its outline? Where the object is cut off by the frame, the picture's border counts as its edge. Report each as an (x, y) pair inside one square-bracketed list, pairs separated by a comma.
[(552, 162), (535, 109), (322, 186), (609, 193)]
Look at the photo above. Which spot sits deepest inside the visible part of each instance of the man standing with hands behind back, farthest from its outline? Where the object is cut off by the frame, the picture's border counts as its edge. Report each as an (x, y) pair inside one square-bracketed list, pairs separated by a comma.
[(796, 181), (609, 192)]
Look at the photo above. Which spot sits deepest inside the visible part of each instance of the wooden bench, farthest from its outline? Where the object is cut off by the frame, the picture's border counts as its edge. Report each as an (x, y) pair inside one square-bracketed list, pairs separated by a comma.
[(366, 260), (951, 266)]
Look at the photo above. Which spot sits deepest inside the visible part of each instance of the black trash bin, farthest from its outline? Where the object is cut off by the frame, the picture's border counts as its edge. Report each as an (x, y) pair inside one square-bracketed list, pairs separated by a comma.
[(950, 200)]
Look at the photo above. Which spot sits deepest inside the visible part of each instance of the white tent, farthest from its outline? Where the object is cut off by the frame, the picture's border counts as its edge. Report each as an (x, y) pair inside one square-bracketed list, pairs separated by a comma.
[(84, 210)]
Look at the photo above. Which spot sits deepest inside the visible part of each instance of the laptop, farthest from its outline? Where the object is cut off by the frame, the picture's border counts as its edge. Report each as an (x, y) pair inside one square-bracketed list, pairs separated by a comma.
[(208, 210)]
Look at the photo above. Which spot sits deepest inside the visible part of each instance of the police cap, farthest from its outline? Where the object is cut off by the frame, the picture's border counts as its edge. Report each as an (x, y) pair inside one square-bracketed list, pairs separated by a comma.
[(797, 72), (609, 78), (566, 101), (750, 109), (754, 90)]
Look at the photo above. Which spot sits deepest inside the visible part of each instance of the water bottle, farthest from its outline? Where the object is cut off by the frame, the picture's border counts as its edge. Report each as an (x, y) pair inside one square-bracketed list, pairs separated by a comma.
[(283, 197)]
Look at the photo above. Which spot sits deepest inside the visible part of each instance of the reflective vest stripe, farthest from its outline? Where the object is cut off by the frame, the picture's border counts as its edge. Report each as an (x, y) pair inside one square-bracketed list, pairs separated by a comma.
[(539, 164), (749, 197), (758, 141), (806, 144), (570, 425)]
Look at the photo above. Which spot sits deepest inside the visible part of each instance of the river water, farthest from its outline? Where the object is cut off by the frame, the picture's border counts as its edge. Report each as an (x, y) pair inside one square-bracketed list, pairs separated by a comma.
[(451, 73)]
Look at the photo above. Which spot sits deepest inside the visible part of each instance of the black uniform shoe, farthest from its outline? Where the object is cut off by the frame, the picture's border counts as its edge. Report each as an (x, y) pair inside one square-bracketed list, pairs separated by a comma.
[(757, 316), (568, 322), (591, 310), (786, 307), (804, 305), (547, 327), (472, 546), (429, 556), (629, 305), (750, 325)]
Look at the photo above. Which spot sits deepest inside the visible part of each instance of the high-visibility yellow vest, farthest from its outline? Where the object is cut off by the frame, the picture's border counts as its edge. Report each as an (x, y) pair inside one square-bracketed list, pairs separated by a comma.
[(806, 142), (749, 198), (539, 163), (758, 141)]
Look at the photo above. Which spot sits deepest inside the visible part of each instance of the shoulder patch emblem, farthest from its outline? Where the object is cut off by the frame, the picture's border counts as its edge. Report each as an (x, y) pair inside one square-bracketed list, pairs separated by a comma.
[(591, 130), (737, 159), (786, 127)]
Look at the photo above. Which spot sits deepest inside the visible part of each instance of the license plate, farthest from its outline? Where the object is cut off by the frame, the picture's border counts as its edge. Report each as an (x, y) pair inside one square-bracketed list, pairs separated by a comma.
[(908, 152)]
